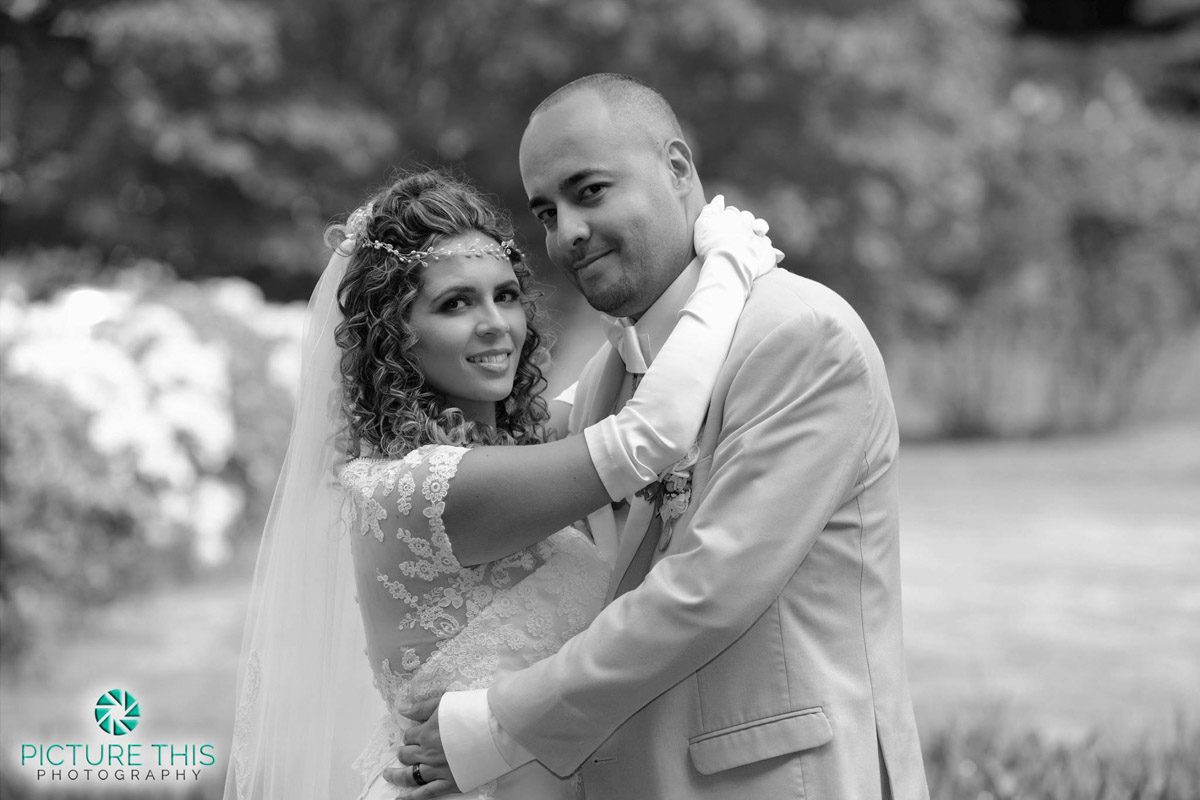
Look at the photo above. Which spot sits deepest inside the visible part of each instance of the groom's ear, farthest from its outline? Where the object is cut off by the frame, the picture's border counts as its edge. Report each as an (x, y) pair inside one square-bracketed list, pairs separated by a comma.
[(681, 166)]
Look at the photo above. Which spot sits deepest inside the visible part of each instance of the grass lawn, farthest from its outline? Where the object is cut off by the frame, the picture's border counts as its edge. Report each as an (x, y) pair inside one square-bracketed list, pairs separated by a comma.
[(1057, 581)]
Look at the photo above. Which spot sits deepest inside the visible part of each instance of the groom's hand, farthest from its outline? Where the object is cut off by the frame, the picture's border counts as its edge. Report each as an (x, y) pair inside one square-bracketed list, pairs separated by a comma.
[(422, 745)]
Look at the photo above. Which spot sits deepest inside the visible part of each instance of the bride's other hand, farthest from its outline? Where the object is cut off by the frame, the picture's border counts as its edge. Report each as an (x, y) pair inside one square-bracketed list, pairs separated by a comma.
[(422, 745), (739, 236)]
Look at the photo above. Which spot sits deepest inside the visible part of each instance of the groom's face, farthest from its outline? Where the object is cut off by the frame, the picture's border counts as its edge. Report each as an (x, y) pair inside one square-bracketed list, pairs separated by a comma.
[(611, 200)]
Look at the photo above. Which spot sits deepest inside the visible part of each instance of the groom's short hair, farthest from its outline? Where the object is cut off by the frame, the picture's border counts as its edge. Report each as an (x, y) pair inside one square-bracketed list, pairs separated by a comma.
[(627, 97)]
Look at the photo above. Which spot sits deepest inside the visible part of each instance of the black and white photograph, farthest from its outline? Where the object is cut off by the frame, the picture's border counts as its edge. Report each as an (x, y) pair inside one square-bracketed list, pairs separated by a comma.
[(608, 400)]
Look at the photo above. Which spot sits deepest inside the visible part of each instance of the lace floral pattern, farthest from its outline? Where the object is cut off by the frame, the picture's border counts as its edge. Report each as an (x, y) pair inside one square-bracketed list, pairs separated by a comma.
[(247, 702), (434, 625), (369, 481), (439, 595)]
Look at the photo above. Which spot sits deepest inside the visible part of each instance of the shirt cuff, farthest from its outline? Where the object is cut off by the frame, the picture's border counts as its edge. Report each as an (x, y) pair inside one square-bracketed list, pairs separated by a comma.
[(619, 450), (471, 738)]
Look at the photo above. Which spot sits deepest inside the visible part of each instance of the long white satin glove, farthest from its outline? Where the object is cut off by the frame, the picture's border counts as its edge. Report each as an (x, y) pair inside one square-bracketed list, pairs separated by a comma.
[(720, 235), (663, 418)]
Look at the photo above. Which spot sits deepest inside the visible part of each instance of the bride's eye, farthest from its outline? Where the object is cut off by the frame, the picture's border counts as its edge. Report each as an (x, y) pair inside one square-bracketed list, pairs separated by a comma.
[(453, 303), (508, 296)]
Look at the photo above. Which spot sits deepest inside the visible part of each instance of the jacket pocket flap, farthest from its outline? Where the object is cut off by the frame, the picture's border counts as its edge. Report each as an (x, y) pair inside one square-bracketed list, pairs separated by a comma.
[(754, 741)]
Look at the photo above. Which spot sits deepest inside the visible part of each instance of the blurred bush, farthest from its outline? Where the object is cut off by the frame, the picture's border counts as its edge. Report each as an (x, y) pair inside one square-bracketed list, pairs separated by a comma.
[(141, 433), (1000, 761)]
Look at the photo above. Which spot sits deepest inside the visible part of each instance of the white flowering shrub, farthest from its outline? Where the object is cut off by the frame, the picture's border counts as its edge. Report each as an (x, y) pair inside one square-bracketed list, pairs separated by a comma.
[(141, 432)]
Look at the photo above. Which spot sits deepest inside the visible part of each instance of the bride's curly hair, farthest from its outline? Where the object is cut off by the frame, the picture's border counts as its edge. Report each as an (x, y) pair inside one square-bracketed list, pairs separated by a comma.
[(388, 406)]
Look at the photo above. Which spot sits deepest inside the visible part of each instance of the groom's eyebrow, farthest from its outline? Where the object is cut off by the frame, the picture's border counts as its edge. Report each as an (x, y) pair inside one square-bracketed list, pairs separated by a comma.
[(565, 185)]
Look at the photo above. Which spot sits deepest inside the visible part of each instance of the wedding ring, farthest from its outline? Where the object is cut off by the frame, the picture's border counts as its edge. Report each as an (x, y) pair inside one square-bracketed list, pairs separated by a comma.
[(417, 778)]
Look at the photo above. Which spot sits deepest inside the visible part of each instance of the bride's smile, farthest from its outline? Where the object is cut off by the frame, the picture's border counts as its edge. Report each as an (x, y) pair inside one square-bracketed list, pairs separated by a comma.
[(494, 360), (470, 325)]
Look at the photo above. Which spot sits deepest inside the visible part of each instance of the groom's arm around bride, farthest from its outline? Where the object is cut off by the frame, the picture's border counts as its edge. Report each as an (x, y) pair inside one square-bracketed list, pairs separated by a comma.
[(763, 651)]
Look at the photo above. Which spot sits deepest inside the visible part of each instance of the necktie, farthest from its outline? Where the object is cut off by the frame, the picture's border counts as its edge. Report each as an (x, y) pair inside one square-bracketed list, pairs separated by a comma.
[(640, 564), (624, 337)]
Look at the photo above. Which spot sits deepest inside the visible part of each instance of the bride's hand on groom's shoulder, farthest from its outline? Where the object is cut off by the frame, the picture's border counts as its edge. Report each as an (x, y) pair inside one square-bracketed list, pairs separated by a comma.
[(722, 228), (422, 749)]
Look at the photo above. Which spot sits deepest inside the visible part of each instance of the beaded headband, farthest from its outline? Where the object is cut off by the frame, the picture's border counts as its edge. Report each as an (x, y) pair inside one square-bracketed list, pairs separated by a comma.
[(356, 228), (503, 251)]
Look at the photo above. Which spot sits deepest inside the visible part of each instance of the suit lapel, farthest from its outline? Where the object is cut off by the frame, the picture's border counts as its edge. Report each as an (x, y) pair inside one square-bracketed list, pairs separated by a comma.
[(595, 396), (618, 547), (634, 560), (637, 527)]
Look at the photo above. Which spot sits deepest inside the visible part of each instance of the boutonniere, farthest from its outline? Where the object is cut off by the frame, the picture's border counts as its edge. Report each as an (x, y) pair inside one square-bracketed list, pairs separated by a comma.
[(672, 492)]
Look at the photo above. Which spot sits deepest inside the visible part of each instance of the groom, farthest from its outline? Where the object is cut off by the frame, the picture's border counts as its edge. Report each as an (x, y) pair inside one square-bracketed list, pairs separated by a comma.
[(753, 648)]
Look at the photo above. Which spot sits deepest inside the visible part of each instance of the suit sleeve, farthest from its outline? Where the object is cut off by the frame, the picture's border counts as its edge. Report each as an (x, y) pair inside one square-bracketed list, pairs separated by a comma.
[(788, 456)]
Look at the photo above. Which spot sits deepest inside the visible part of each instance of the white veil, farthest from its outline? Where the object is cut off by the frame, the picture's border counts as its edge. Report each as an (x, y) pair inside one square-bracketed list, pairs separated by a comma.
[(306, 703)]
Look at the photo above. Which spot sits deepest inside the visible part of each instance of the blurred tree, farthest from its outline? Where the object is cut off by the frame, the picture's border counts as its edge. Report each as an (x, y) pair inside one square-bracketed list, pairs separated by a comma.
[(171, 128), (912, 155), (1077, 16), (222, 136), (1089, 18)]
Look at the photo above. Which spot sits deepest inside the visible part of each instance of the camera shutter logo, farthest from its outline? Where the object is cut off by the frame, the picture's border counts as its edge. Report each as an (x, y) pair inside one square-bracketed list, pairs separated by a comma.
[(118, 712)]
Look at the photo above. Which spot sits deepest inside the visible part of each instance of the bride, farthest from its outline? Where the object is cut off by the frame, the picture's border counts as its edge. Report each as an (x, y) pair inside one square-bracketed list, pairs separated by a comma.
[(410, 548)]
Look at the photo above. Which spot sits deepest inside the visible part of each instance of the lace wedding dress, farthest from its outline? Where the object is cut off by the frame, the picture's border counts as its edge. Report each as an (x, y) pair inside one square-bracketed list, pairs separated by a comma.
[(433, 625)]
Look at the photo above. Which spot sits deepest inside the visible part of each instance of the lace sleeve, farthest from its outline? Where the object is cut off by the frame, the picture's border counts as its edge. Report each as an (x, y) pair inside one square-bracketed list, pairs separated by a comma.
[(412, 591), (377, 485), (432, 624)]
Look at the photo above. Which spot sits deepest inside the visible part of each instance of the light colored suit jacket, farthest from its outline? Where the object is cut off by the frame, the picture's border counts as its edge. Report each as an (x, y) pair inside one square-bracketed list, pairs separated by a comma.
[(761, 656)]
